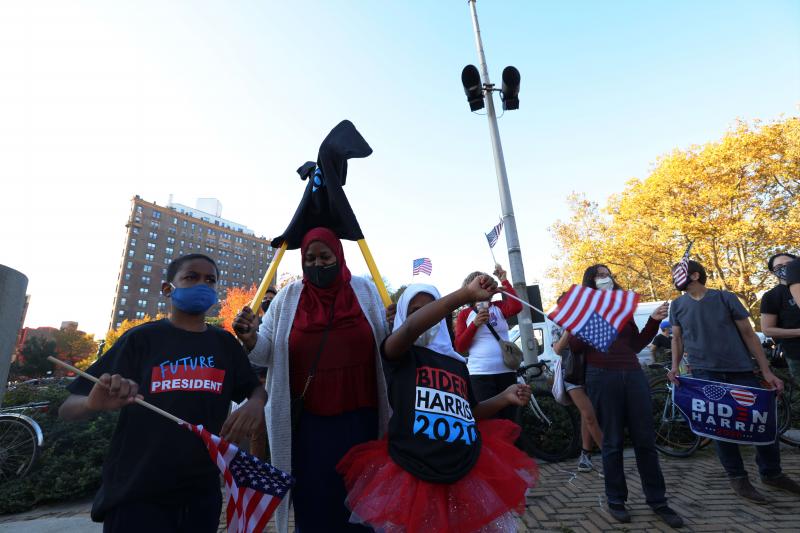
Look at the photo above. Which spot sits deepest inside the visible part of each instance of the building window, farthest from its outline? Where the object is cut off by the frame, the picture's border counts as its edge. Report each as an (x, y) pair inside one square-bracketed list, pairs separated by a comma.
[(133, 242), (153, 235), (135, 230), (193, 226), (146, 280), (156, 214), (147, 268), (140, 314), (124, 288), (169, 251), (127, 276), (130, 253), (142, 303), (139, 209), (172, 231), (149, 257), (143, 290), (174, 220), (161, 306), (118, 324), (130, 265), (151, 246), (171, 240), (121, 312)]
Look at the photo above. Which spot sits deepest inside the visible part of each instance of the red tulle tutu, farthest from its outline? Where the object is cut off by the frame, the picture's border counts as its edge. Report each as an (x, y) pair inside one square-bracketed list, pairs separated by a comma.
[(389, 499)]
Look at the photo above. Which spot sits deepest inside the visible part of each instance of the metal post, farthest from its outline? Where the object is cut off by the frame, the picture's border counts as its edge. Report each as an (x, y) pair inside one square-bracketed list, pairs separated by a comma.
[(512, 239), (12, 301)]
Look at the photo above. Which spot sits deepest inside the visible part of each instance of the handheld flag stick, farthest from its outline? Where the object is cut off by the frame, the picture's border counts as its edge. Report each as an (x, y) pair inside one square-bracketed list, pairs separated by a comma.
[(141, 402), (373, 270), (520, 300), (493, 258), (255, 305)]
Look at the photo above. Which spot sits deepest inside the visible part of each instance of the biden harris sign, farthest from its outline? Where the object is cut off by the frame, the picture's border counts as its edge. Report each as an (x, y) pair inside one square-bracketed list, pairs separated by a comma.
[(726, 412)]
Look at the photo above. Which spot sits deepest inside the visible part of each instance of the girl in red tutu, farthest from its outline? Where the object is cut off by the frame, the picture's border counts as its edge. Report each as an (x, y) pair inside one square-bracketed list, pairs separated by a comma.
[(436, 471)]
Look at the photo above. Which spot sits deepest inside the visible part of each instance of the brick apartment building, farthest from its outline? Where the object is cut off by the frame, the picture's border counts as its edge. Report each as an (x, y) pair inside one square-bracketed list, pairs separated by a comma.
[(158, 234)]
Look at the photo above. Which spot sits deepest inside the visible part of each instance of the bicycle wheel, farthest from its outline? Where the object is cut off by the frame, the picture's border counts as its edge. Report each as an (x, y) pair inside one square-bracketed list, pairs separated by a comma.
[(554, 441), (673, 435), (789, 415), (18, 447)]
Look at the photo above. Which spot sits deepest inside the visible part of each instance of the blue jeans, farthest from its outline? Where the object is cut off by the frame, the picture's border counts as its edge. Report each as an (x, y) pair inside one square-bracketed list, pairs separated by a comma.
[(768, 457), (621, 399)]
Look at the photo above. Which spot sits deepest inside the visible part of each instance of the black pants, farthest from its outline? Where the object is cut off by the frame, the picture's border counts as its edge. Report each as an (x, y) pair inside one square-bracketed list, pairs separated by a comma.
[(621, 400), (201, 515), (486, 386)]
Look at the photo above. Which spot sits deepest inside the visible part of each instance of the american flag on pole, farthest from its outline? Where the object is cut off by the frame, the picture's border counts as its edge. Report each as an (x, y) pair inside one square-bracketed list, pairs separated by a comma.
[(494, 235), (680, 273), (254, 488), (422, 265), (593, 315)]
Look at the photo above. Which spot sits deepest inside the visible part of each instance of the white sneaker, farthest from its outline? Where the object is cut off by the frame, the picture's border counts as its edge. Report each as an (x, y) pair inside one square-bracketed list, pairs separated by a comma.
[(585, 463)]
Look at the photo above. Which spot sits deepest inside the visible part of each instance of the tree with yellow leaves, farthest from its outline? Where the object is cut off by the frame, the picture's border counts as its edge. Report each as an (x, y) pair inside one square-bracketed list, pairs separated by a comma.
[(115, 333), (235, 299), (736, 199)]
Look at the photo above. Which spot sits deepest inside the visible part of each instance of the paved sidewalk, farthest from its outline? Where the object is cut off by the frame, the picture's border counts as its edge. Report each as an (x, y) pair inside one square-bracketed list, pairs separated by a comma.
[(566, 501)]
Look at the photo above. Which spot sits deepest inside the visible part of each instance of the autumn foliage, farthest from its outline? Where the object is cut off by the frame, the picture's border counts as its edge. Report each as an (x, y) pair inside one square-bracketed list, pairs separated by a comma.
[(235, 299), (736, 198)]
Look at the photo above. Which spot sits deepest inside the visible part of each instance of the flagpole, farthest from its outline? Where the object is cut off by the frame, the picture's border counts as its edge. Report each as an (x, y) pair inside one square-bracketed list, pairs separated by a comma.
[(373, 270), (141, 402), (512, 239)]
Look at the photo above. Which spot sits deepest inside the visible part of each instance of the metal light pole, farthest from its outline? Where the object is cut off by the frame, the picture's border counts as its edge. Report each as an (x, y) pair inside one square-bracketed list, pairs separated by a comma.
[(512, 239)]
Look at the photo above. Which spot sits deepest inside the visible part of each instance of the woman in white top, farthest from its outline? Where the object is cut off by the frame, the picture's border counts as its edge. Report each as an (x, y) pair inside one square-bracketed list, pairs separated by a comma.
[(488, 374)]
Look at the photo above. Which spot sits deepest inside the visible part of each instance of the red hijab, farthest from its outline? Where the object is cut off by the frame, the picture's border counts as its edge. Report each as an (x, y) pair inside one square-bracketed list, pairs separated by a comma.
[(314, 308)]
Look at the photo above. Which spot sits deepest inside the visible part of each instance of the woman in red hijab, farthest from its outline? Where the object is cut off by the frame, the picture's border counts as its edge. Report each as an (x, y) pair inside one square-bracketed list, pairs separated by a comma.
[(320, 341)]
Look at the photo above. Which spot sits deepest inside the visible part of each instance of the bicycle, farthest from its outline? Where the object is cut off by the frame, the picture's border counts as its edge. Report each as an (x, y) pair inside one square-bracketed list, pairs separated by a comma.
[(550, 431), (788, 402), (21, 439), (674, 437)]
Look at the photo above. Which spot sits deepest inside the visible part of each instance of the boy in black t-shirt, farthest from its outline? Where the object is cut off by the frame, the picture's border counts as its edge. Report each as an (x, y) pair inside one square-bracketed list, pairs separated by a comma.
[(780, 314), (158, 476)]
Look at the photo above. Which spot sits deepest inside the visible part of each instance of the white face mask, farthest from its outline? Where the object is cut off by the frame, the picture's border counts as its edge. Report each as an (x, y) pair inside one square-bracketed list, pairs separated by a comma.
[(427, 337), (604, 284)]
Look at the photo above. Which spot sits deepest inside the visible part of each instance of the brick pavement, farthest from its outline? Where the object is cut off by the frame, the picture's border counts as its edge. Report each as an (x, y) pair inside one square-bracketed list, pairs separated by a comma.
[(566, 501)]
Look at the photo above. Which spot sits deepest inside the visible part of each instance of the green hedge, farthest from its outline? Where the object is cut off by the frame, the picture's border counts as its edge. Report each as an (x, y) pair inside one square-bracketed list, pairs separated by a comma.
[(70, 462)]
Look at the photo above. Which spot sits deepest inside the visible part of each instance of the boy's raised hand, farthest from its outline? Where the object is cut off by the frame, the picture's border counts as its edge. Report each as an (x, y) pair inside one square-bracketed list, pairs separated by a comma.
[(517, 394), (113, 392), (482, 288)]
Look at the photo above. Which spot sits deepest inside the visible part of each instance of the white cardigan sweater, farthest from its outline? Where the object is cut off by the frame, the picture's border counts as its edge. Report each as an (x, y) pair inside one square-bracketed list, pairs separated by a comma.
[(272, 351)]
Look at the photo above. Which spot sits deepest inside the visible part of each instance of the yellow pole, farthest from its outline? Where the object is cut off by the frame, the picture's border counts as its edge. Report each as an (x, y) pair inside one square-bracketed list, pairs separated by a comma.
[(373, 270), (255, 305)]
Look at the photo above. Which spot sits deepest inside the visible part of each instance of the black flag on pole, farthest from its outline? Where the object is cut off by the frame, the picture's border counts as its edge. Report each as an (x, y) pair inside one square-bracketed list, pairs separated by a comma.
[(324, 202)]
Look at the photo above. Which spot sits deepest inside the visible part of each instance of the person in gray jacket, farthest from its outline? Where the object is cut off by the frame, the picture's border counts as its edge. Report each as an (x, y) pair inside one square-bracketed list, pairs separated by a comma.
[(326, 392)]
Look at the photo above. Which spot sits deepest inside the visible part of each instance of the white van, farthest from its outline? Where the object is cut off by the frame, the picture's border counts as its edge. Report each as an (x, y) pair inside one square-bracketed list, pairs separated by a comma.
[(640, 316)]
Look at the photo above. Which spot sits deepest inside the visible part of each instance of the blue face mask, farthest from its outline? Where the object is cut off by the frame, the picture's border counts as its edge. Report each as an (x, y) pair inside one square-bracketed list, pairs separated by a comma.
[(194, 300)]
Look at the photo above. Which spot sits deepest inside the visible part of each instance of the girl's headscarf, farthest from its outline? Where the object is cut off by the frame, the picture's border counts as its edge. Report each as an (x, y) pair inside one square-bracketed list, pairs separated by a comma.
[(441, 342), (314, 308)]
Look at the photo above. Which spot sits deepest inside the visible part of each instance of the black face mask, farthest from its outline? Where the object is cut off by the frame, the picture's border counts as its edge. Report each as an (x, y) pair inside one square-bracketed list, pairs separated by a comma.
[(321, 276)]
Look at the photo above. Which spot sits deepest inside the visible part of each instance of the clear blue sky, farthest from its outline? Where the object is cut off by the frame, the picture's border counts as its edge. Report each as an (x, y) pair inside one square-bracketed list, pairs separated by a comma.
[(103, 100)]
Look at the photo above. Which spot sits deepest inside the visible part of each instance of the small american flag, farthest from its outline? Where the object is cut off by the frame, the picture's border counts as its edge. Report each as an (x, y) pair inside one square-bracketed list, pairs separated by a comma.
[(254, 488), (680, 273), (422, 265), (494, 235), (593, 315)]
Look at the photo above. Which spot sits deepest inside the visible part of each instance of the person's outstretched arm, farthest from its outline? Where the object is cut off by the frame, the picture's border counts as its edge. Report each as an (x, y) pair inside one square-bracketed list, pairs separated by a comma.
[(399, 342)]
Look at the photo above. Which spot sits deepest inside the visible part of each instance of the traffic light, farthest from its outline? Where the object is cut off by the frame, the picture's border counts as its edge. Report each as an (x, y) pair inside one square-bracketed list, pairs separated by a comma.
[(510, 90), (471, 80)]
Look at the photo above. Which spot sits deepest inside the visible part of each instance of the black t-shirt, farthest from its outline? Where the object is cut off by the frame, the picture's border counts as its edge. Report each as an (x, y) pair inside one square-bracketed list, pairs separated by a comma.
[(432, 433), (778, 301), (793, 272), (662, 341), (193, 375)]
